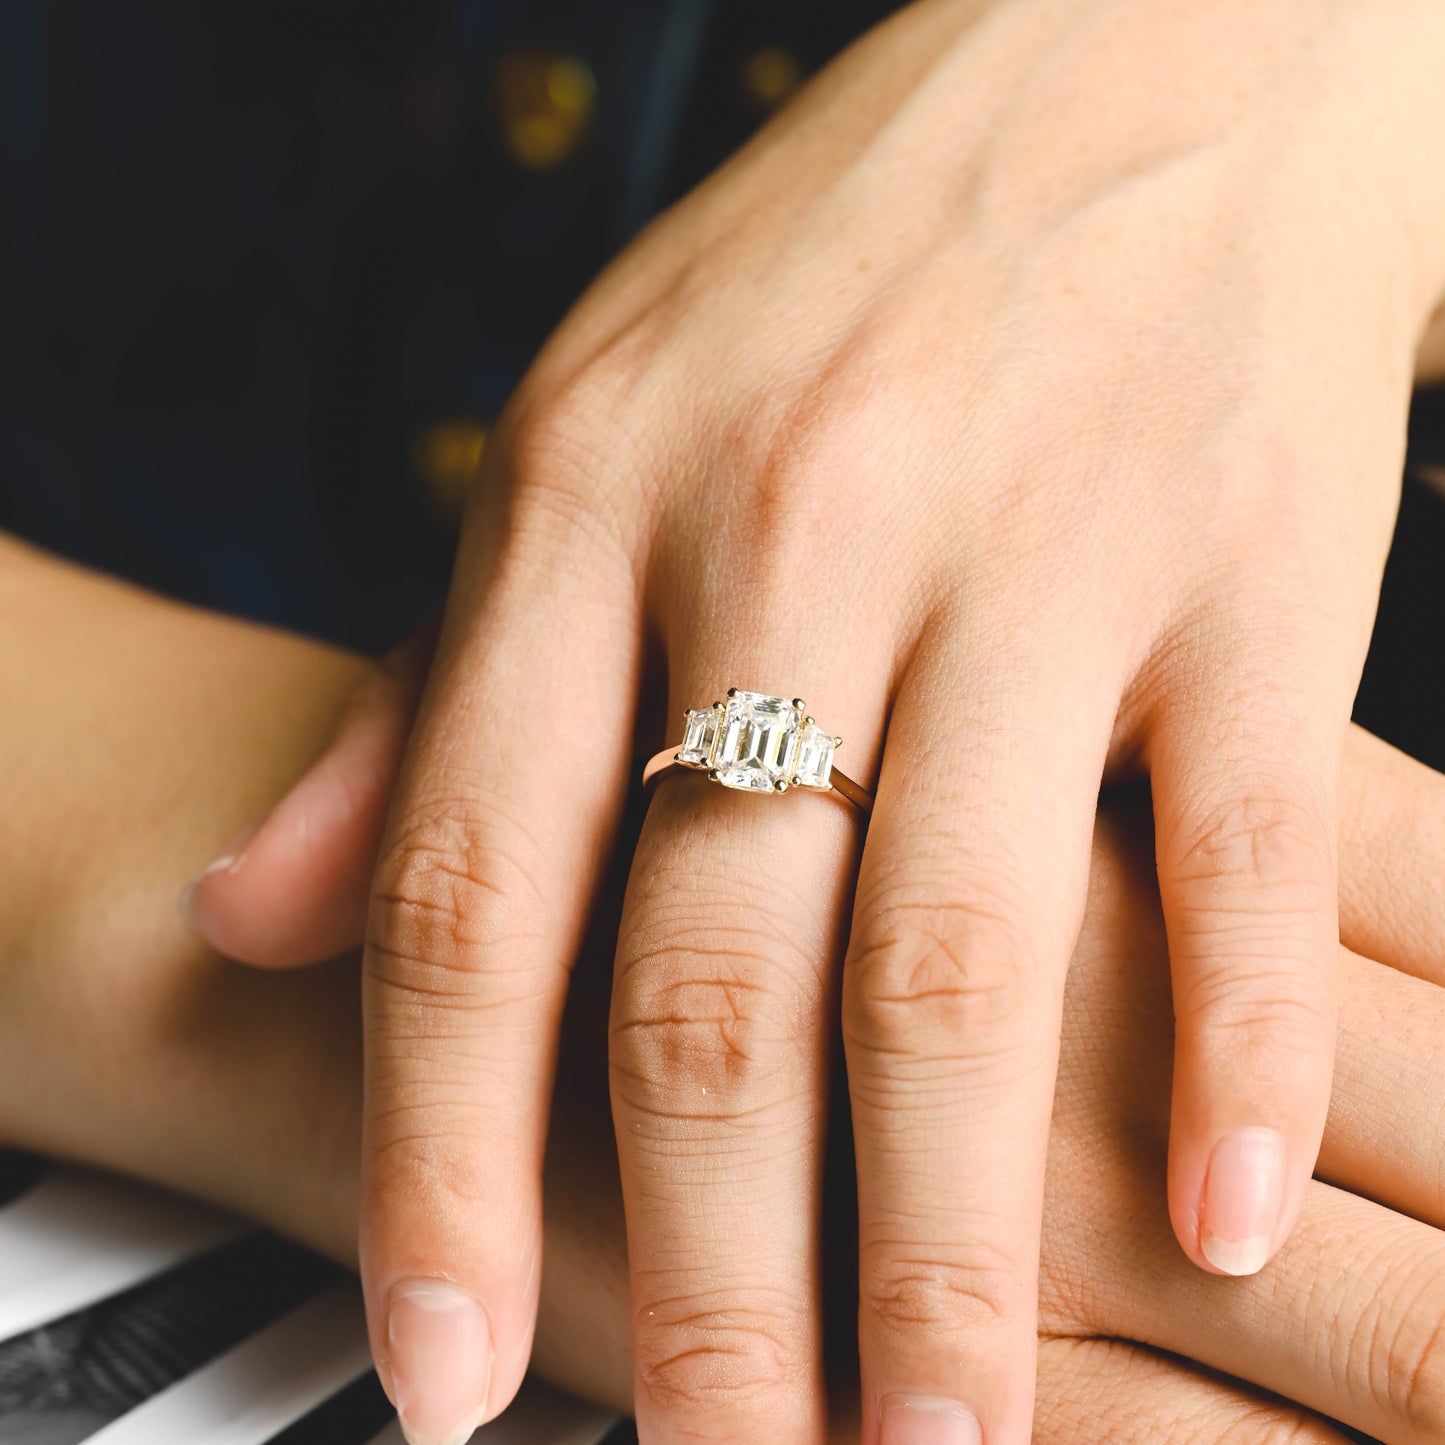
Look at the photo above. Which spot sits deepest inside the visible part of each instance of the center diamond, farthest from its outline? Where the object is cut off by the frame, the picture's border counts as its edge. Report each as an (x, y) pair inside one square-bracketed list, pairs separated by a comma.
[(758, 738)]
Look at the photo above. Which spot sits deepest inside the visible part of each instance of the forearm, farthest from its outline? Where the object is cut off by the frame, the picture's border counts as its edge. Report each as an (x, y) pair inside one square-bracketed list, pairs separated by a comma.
[(138, 737), (140, 733)]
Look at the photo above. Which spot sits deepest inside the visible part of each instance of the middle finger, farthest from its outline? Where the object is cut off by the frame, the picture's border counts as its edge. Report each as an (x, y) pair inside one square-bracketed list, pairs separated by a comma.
[(969, 901)]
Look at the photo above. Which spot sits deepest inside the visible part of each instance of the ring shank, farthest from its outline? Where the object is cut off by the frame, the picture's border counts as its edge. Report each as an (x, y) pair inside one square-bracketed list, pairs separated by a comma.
[(665, 763)]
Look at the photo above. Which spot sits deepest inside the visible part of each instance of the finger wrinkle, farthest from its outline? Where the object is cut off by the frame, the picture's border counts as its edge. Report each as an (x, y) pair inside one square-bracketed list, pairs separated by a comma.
[(456, 988)]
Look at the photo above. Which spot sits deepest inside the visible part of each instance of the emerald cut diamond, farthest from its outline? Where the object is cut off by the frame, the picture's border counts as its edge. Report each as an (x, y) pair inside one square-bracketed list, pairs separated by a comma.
[(813, 763), (757, 742), (699, 737), (760, 744)]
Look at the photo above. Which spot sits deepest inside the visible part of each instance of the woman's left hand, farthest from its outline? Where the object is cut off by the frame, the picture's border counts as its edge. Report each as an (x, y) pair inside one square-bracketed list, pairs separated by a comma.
[(1031, 392)]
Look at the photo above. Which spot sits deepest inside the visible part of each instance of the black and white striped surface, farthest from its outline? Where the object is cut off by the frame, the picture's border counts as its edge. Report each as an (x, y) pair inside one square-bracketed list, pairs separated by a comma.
[(129, 1317)]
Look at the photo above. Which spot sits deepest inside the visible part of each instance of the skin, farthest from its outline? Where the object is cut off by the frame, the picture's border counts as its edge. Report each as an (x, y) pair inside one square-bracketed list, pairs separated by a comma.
[(140, 729), (126, 1043), (1029, 396)]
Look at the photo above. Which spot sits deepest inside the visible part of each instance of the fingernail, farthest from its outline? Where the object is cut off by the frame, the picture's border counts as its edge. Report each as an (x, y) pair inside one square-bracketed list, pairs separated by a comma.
[(1243, 1197), (227, 861), (440, 1353), (928, 1420)]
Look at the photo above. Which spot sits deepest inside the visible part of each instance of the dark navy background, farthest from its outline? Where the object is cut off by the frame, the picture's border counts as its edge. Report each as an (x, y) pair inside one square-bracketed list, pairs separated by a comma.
[(251, 253)]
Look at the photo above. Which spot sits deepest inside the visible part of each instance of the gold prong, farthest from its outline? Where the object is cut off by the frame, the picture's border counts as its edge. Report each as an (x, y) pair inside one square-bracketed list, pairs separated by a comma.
[(732, 692), (801, 706), (715, 774), (837, 742), (808, 722), (782, 785), (718, 707)]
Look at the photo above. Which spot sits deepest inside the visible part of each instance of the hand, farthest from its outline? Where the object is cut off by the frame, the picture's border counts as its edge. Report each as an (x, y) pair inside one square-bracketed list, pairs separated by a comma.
[(122, 1041), (1031, 390)]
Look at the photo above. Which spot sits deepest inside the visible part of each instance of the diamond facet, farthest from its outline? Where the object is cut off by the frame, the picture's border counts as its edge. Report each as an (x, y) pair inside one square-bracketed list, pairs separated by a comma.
[(698, 739), (813, 765), (758, 742)]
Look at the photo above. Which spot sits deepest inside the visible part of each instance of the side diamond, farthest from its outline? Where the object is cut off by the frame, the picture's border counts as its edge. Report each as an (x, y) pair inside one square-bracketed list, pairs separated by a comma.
[(699, 737), (813, 765)]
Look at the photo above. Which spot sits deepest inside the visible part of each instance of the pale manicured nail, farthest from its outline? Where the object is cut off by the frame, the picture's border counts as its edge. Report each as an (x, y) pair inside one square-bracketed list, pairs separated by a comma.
[(439, 1348), (928, 1420), (227, 861), (1243, 1197)]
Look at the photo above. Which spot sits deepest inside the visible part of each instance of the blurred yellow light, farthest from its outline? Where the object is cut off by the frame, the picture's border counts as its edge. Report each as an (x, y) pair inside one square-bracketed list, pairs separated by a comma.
[(446, 458), (570, 84), (770, 76), (546, 102)]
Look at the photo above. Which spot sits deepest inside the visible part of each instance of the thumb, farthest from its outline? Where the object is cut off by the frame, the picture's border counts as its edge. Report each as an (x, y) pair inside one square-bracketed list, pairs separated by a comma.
[(294, 889)]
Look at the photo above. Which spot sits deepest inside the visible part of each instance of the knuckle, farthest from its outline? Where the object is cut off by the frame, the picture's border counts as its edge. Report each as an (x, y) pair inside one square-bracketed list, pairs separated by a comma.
[(719, 974), (415, 1164), (792, 467), (712, 1020), (565, 454), (1278, 997), (792, 463), (1265, 841), (962, 971), (453, 881), (710, 1038), (1276, 1028), (555, 429), (418, 1173), (942, 1292), (719, 1356)]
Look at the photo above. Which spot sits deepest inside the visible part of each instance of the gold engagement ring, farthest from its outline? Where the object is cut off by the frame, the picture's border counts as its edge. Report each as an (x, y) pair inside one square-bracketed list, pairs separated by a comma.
[(760, 744)]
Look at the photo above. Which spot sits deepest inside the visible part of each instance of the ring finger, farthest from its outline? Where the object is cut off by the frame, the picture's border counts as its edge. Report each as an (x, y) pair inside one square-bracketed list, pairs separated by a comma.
[(723, 1008)]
